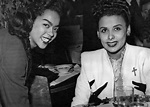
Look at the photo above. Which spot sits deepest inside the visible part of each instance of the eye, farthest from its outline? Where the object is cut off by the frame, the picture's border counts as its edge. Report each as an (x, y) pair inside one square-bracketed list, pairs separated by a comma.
[(117, 29), (46, 25), (145, 11), (104, 30), (55, 28)]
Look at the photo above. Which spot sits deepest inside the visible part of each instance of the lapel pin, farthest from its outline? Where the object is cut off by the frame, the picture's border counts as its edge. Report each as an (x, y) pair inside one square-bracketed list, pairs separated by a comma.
[(134, 71)]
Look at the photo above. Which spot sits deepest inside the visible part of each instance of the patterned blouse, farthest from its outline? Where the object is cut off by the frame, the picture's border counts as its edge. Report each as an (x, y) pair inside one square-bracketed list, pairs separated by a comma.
[(118, 81)]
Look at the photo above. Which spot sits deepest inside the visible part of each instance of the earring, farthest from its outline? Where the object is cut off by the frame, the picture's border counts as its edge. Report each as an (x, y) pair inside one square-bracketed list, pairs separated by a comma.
[(128, 33)]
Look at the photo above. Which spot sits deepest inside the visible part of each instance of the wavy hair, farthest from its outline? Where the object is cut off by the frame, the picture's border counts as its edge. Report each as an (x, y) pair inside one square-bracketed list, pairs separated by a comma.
[(111, 7), (21, 22)]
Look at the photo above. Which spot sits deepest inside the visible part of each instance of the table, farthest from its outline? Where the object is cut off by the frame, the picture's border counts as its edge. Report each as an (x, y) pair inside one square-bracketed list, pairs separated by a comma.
[(62, 94), (47, 93), (138, 101), (62, 89)]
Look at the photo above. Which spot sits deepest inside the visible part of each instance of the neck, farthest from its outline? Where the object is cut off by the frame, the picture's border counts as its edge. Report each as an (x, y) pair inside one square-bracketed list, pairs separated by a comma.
[(32, 44), (117, 54)]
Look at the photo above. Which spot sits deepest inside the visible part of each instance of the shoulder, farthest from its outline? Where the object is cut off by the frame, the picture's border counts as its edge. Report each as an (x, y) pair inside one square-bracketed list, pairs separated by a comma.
[(3, 32), (92, 55), (139, 51), (9, 42)]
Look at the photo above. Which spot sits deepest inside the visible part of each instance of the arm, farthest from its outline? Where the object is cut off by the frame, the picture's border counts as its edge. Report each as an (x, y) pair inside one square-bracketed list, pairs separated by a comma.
[(146, 72), (82, 91), (144, 84), (44, 71), (13, 74)]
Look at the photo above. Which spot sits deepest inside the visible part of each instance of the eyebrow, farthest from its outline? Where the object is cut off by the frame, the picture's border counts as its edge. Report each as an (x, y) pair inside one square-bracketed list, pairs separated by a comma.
[(50, 22), (113, 26), (118, 25), (102, 27)]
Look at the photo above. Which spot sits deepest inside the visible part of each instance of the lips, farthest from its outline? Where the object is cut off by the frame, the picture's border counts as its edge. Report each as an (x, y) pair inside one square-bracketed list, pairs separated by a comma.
[(45, 39), (112, 44)]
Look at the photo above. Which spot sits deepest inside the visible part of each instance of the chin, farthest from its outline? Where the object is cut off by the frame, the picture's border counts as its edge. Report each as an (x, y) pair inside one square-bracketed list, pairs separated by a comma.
[(42, 46), (113, 50)]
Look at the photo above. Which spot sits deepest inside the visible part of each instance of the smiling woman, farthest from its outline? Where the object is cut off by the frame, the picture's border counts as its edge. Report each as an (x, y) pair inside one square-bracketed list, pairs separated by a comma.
[(44, 29), (117, 64), (33, 25)]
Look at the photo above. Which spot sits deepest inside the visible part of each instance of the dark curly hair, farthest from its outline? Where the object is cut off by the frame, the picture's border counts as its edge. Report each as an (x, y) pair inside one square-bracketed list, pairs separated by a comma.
[(111, 7), (20, 23)]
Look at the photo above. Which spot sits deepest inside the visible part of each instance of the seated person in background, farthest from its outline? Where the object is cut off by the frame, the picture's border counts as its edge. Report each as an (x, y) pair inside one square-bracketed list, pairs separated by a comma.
[(117, 63), (136, 22), (140, 27), (145, 6), (145, 31)]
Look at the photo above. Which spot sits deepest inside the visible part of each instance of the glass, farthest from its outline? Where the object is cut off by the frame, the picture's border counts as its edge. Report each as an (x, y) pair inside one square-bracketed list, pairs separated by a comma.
[(139, 101), (124, 96)]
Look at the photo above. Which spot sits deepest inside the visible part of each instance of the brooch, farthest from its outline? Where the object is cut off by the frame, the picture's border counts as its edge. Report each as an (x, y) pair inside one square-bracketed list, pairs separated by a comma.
[(134, 71)]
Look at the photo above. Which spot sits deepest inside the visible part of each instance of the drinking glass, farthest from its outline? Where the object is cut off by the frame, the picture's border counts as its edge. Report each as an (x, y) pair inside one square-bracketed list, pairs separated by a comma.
[(139, 101), (124, 96)]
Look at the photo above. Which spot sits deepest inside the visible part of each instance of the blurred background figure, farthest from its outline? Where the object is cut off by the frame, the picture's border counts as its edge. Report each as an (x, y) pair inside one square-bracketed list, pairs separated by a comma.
[(140, 22), (145, 6)]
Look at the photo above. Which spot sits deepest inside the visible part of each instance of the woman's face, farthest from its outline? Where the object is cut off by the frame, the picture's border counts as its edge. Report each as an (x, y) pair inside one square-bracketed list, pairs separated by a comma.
[(112, 33), (44, 29)]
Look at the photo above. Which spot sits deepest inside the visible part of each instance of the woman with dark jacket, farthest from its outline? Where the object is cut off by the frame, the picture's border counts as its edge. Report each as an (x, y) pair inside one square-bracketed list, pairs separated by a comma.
[(34, 25)]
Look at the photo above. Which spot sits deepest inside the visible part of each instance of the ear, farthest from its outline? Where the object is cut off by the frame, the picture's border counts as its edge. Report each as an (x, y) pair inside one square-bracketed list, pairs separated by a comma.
[(128, 30), (98, 35)]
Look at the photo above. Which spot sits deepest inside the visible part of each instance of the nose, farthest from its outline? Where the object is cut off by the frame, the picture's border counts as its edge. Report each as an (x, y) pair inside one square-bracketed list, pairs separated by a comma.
[(111, 36), (50, 32)]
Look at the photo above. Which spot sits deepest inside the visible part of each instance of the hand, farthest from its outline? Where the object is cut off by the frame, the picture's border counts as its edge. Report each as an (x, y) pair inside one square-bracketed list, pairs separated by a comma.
[(43, 71), (94, 100), (139, 86)]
